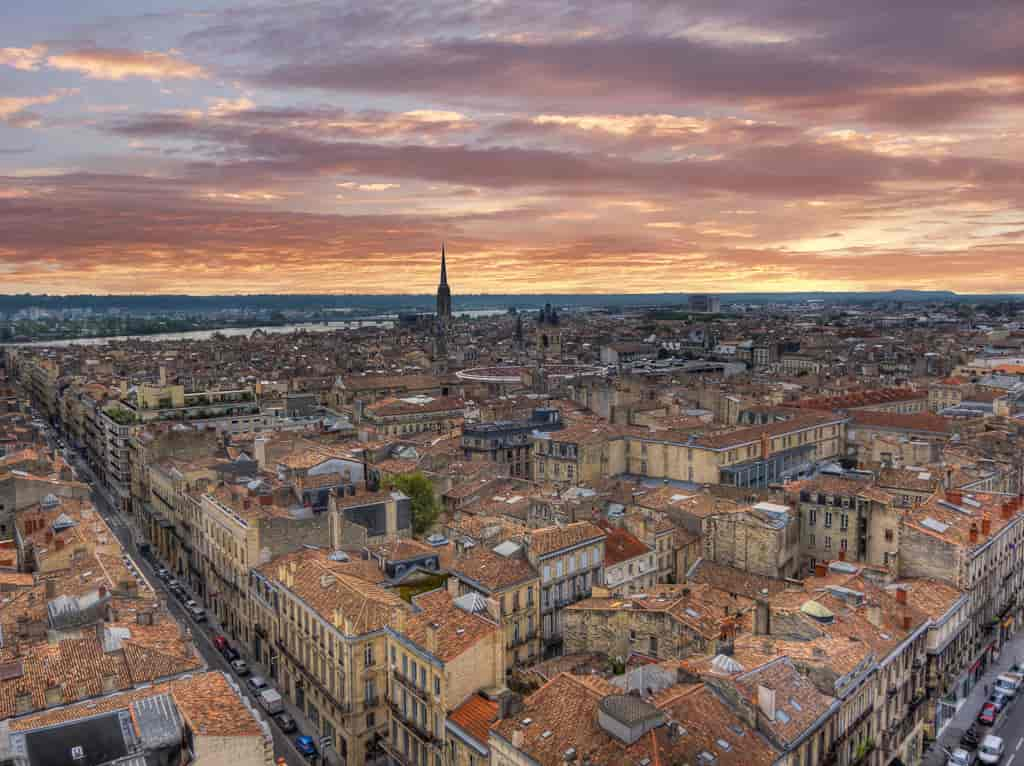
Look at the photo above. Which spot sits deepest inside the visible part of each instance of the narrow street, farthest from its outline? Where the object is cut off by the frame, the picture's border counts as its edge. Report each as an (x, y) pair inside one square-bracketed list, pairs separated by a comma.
[(202, 633), (1009, 725)]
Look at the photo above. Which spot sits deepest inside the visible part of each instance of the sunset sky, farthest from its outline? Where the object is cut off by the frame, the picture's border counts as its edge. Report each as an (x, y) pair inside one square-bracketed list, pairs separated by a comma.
[(593, 146)]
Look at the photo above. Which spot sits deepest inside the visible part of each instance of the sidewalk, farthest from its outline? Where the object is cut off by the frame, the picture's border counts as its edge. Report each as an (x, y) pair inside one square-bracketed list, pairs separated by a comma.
[(331, 757), (1013, 650)]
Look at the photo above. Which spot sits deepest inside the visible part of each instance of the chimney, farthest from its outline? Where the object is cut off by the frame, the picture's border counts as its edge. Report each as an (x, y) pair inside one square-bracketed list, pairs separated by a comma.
[(842, 555), (432, 637), (986, 524), (762, 618), (1007, 510), (51, 590), (60, 544), (874, 614), (954, 496), (821, 569), (901, 595), (973, 535), (906, 621)]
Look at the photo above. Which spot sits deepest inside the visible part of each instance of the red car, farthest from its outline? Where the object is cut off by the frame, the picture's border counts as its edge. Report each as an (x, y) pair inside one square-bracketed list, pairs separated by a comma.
[(987, 716), (220, 642)]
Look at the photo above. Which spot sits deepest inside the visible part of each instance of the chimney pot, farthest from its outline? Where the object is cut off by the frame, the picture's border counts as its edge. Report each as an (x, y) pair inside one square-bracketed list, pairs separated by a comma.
[(820, 569), (986, 525), (973, 534), (901, 596), (906, 622)]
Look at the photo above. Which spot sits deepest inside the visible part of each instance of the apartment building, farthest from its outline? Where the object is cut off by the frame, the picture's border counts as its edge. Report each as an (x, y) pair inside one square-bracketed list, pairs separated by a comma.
[(762, 539), (507, 443), (973, 541), (505, 575), (845, 519), (440, 653), (320, 628), (666, 622), (410, 415), (570, 561), (629, 565)]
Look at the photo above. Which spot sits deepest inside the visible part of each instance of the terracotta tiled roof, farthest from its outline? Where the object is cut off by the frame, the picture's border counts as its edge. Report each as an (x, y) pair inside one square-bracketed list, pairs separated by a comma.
[(620, 545), (894, 421), (493, 571), (455, 630), (550, 539), (475, 716)]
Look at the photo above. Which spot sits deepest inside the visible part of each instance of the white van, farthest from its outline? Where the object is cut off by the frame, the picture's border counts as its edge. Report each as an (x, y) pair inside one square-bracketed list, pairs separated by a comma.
[(271, 701), (991, 749)]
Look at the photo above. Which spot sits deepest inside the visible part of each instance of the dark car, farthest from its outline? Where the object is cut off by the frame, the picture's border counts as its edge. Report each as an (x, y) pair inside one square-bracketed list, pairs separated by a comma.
[(305, 745), (286, 722), (970, 738), (987, 716)]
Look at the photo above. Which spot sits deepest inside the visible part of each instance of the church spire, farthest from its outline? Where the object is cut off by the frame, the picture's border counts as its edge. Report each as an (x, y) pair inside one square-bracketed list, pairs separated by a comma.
[(444, 294)]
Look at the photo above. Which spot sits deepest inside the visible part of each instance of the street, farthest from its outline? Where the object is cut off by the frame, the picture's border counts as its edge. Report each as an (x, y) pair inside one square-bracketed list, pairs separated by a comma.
[(1010, 724), (201, 632)]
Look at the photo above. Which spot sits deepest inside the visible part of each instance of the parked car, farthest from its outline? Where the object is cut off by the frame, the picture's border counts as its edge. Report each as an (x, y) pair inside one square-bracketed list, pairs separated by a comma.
[(197, 612), (1007, 684), (240, 667), (190, 603), (173, 584), (272, 701), (286, 722), (306, 746), (991, 750), (970, 738), (1000, 700), (258, 683), (987, 716), (163, 573), (961, 757), (220, 643)]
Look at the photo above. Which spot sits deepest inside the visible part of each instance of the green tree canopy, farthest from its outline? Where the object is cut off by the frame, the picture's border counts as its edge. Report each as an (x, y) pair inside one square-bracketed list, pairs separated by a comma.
[(420, 491)]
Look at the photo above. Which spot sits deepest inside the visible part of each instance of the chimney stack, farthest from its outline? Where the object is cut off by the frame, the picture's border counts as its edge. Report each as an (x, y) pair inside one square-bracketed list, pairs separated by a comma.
[(954, 496), (762, 618), (901, 595), (906, 621), (821, 569), (986, 524), (51, 590), (874, 614), (842, 555), (973, 535)]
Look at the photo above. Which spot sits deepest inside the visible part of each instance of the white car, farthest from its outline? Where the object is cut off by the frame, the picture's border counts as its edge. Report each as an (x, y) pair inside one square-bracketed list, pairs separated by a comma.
[(960, 757), (1007, 684), (991, 749)]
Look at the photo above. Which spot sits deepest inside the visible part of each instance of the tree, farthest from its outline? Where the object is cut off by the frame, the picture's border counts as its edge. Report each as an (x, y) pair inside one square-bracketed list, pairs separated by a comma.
[(421, 492)]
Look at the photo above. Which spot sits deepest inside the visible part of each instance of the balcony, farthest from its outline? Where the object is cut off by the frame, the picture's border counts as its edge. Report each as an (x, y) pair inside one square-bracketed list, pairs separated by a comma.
[(420, 730), (410, 684), (523, 639)]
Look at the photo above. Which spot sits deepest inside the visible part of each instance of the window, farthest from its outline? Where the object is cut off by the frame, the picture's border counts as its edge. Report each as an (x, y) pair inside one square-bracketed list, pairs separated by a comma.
[(547, 573), (844, 521), (828, 519), (842, 544), (558, 568), (812, 518), (437, 686), (371, 720), (828, 543), (810, 540), (888, 535), (368, 656)]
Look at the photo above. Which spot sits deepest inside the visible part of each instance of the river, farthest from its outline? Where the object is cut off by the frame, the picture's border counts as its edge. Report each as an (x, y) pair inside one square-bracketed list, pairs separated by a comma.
[(379, 320)]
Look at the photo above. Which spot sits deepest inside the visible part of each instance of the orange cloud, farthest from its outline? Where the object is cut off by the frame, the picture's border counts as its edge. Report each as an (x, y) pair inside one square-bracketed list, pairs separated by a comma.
[(25, 59), (113, 64)]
